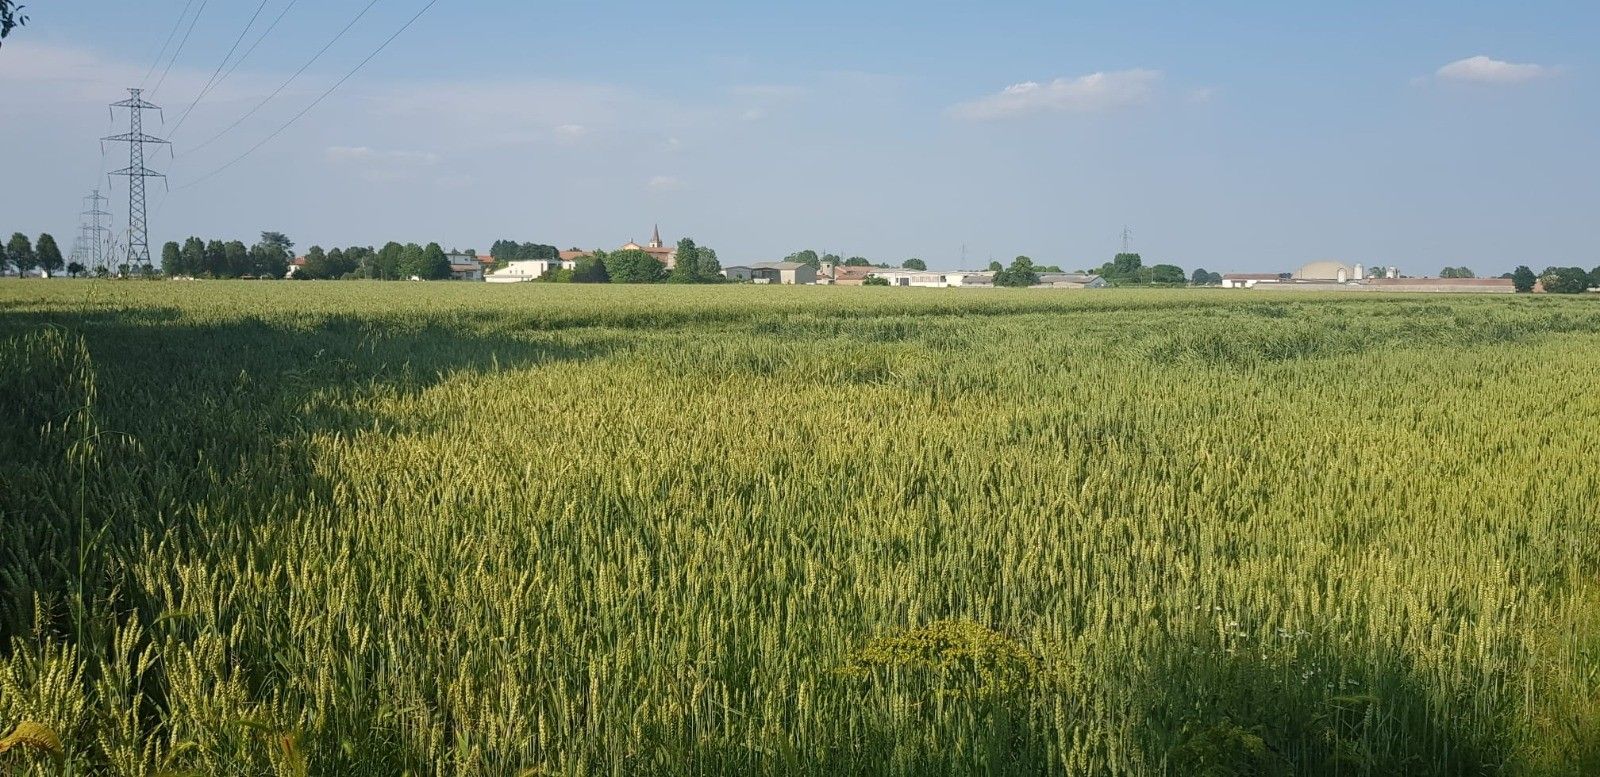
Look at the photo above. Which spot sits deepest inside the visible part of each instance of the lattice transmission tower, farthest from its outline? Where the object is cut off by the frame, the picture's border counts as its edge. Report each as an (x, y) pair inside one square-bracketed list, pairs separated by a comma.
[(89, 249), (138, 230)]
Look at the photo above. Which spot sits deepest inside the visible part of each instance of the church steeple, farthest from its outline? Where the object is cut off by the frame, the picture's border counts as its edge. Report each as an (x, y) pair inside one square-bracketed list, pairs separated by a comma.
[(655, 237)]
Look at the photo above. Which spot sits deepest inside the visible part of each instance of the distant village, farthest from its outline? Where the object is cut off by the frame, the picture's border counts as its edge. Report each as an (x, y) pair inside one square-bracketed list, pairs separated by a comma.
[(1332, 276), (657, 261)]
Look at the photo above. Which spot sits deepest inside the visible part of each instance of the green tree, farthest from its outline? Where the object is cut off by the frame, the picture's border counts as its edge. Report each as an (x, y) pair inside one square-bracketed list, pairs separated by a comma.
[(269, 259), (591, 269), (49, 255), (1457, 272), (634, 267), (388, 262), (1200, 277), (75, 269), (1565, 280), (996, 267), (317, 266), (873, 280), (216, 262), (1167, 275), (172, 259), (1594, 278), (236, 257), (1523, 279), (435, 264), (1126, 266), (857, 261), (193, 256), (914, 264), (1020, 273), (710, 267), (20, 252), (279, 240), (686, 269), (411, 261), (807, 257)]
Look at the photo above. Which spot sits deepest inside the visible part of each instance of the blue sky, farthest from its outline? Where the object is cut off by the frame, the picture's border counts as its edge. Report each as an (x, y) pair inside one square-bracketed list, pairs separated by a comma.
[(1229, 135)]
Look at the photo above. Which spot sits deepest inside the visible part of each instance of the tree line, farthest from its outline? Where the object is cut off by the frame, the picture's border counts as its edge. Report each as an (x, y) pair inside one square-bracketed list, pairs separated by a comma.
[(268, 258), (22, 256), (694, 264), (393, 262), (511, 251), (1556, 280)]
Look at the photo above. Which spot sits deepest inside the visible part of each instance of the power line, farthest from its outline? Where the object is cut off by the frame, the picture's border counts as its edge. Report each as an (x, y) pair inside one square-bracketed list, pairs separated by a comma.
[(220, 65), (291, 79), (163, 52), (181, 44), (317, 101), (260, 38)]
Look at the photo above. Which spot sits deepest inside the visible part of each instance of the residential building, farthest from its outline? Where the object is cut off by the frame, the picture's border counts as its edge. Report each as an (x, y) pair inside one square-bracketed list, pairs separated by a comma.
[(522, 271), (569, 259), (738, 272), (850, 276)]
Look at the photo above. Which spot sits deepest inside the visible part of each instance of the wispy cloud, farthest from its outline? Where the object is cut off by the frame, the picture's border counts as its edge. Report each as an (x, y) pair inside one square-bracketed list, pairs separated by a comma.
[(1484, 70), (664, 183), (570, 132), (1093, 93)]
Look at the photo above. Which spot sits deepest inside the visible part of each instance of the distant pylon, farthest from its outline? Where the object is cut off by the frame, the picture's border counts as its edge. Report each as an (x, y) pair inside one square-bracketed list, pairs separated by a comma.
[(136, 172), (89, 249), (1127, 238)]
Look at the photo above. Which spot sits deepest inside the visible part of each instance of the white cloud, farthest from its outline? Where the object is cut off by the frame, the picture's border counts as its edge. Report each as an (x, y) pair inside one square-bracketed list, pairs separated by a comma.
[(1201, 95), (1483, 70), (1093, 93), (570, 131), (664, 183)]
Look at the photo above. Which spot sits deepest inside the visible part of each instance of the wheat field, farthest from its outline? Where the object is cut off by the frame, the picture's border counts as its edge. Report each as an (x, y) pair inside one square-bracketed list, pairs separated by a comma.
[(253, 528)]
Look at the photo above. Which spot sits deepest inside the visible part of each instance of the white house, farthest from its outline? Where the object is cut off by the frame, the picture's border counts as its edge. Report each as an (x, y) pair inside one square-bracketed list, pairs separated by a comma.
[(522, 271)]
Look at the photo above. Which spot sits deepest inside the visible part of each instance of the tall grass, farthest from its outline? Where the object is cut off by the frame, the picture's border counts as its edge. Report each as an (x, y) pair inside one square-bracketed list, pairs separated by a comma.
[(251, 528)]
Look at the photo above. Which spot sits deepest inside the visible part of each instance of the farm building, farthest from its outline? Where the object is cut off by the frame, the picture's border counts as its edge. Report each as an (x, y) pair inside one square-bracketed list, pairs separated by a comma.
[(737, 272), (1057, 280), (1454, 285), (1249, 280), (785, 273)]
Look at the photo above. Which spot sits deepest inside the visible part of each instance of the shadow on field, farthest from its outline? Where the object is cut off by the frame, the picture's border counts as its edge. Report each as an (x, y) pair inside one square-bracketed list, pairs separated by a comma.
[(186, 415), (1235, 714)]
